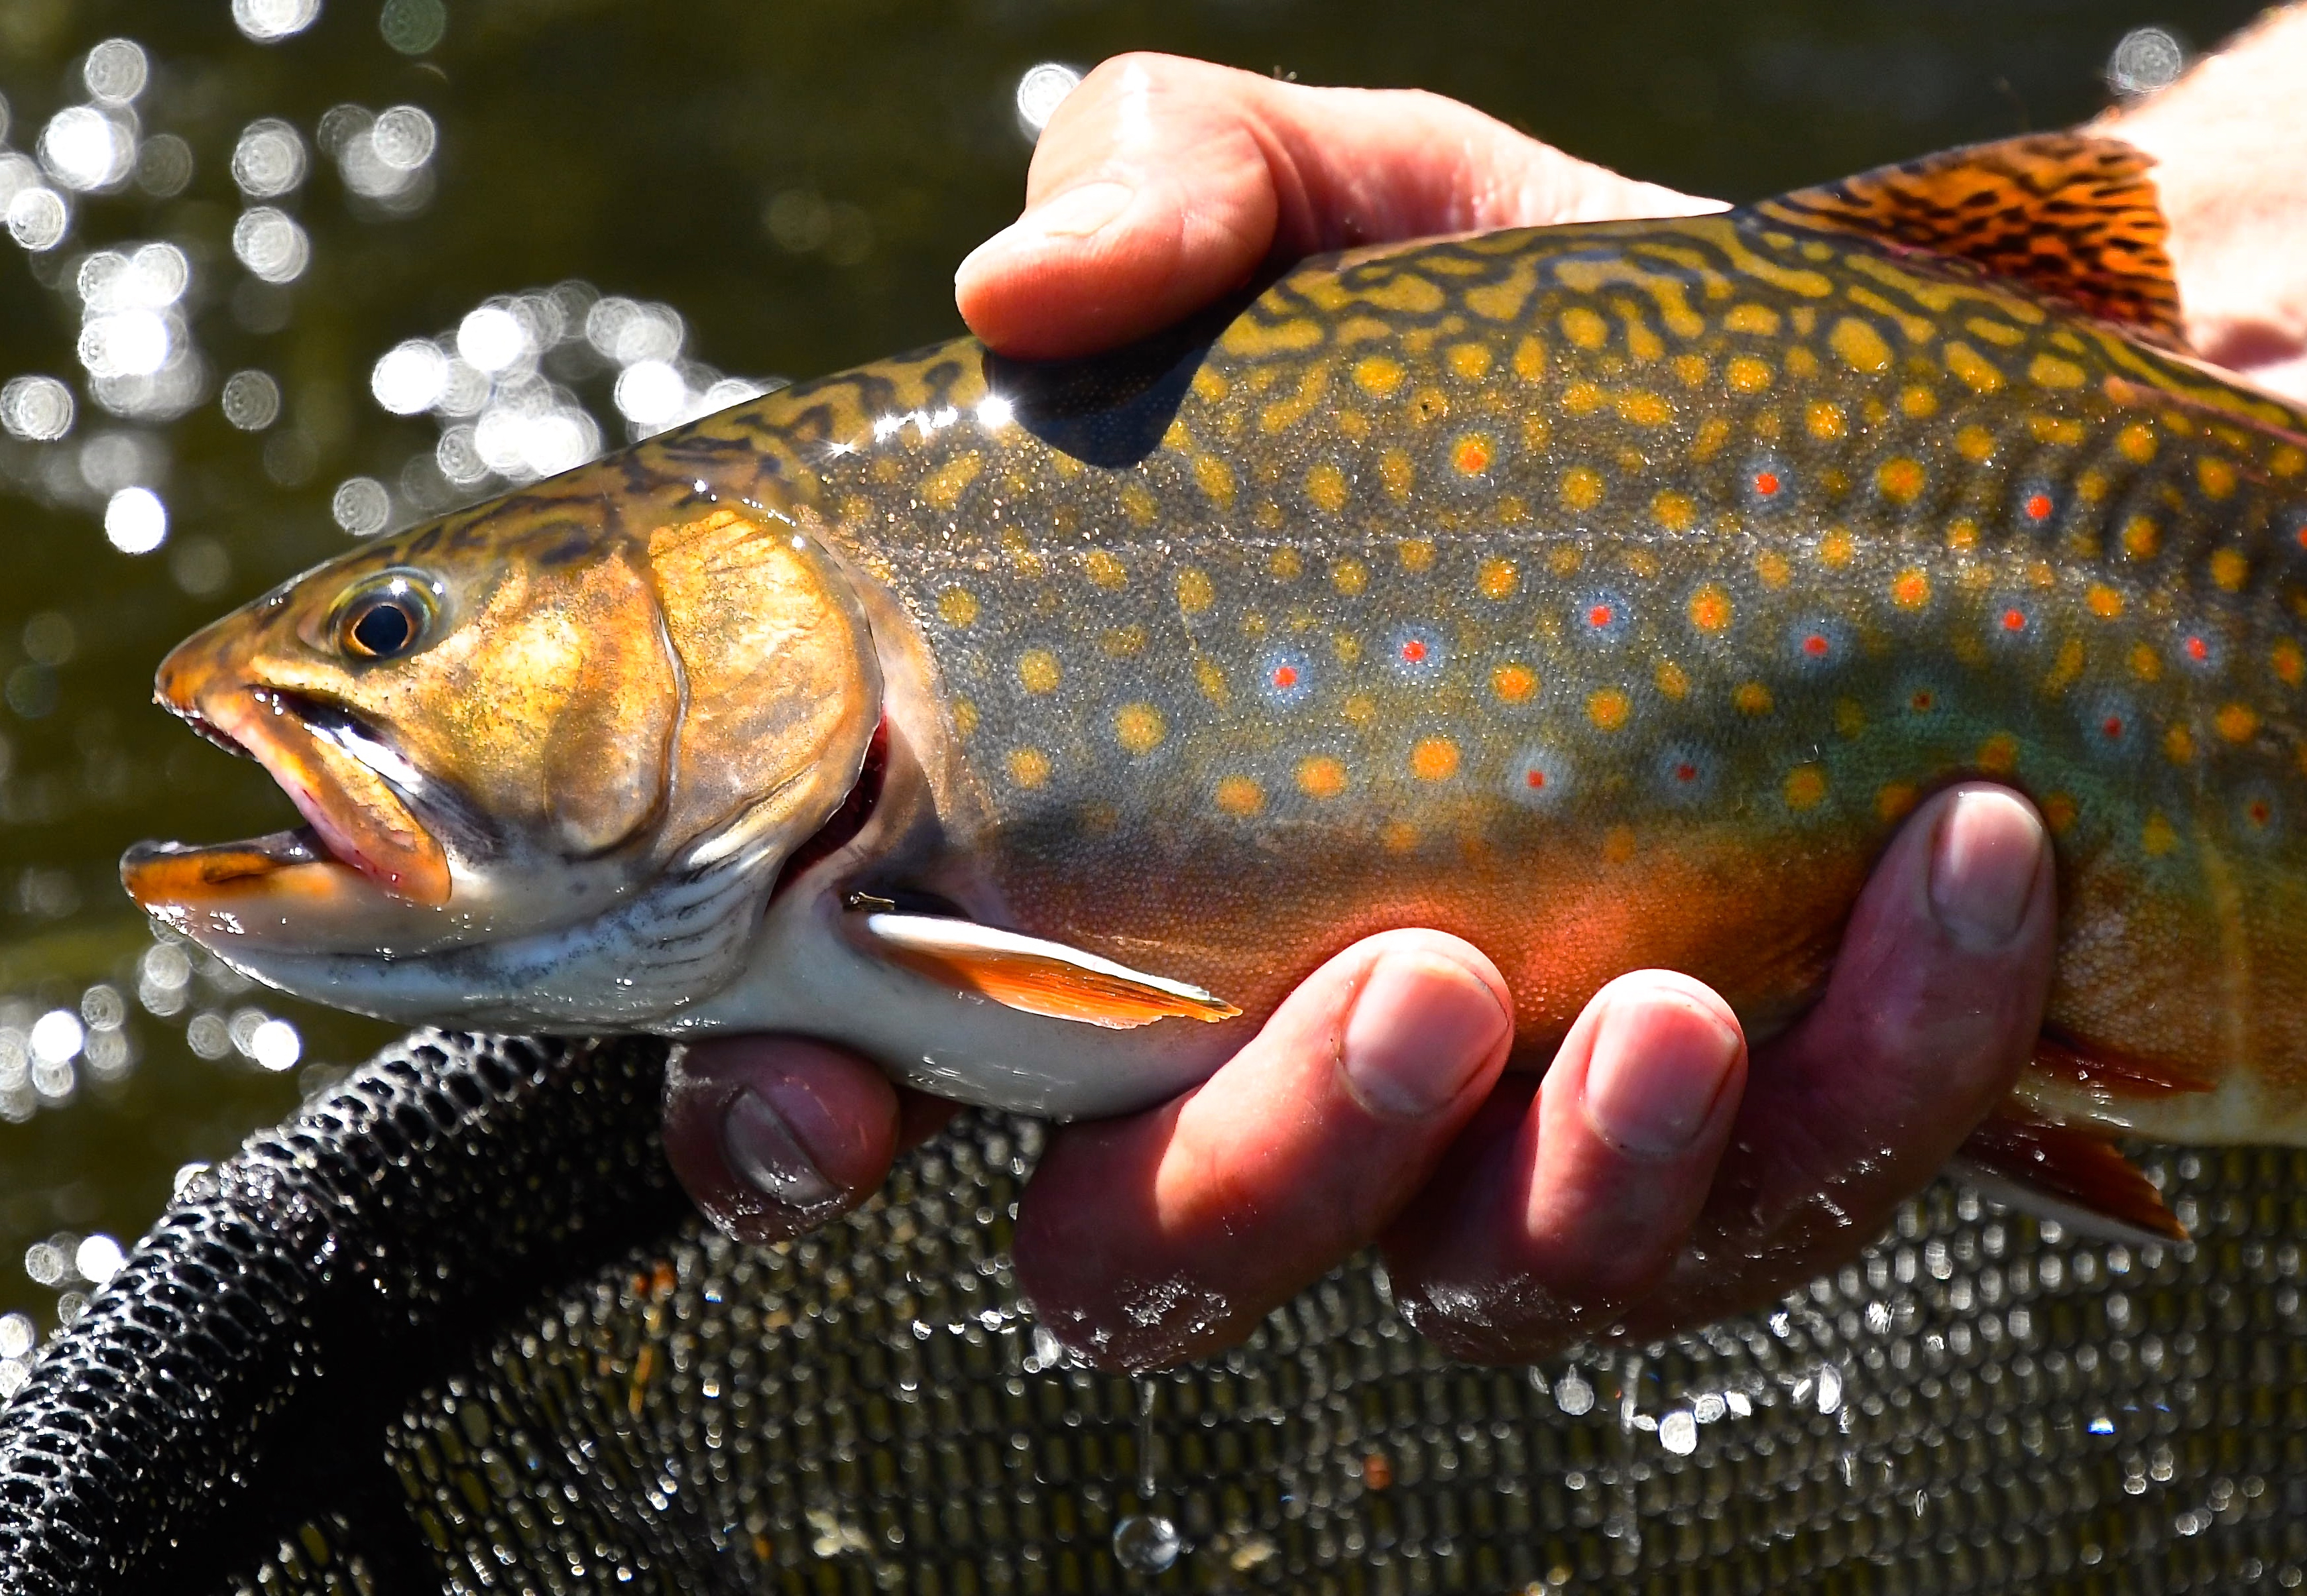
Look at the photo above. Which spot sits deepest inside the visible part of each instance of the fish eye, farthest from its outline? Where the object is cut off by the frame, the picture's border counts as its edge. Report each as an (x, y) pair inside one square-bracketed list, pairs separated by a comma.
[(387, 616)]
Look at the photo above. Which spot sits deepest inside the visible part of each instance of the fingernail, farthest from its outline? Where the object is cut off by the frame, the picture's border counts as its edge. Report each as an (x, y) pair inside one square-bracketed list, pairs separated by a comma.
[(764, 1148), (1983, 867), (1657, 1069), (1074, 213), (1421, 1028)]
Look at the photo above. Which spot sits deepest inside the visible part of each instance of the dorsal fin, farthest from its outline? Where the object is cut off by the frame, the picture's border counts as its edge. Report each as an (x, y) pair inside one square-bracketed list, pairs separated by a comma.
[(2068, 215)]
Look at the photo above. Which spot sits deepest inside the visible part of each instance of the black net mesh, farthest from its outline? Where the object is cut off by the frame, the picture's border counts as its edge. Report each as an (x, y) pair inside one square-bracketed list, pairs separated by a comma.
[(454, 1329)]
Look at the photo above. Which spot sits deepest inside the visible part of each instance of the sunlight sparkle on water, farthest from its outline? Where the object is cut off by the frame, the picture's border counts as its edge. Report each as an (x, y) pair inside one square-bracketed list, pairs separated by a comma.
[(135, 521)]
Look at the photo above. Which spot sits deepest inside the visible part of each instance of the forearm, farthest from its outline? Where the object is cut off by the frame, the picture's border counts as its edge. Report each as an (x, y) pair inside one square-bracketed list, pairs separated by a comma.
[(2230, 145)]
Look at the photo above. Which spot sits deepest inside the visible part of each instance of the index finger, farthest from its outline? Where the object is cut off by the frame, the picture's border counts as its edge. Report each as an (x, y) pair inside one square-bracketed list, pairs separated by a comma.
[(1162, 185)]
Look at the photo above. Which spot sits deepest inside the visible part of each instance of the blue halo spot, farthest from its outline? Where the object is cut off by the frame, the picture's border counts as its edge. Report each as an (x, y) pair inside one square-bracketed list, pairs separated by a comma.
[(2112, 728), (1538, 777), (1602, 617), (2014, 622), (1285, 676), (2036, 505), (2200, 650), (1818, 644), (1768, 482), (1686, 774), (1416, 653)]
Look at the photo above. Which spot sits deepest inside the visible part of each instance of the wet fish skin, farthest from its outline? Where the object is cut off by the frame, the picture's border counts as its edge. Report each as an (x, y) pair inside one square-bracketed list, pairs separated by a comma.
[(1606, 595)]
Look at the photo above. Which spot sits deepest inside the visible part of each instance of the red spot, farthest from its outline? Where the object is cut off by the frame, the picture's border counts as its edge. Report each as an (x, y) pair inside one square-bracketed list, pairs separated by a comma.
[(2302, 535), (2111, 725), (1413, 651), (1599, 616), (1285, 676), (1685, 773), (2198, 650), (2039, 507), (1923, 701), (1815, 645), (2014, 620), (1766, 482), (2258, 814), (1533, 779)]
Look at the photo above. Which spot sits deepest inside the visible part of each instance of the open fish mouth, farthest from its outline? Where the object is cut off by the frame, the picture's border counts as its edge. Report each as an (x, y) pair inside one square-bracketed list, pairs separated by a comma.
[(361, 834)]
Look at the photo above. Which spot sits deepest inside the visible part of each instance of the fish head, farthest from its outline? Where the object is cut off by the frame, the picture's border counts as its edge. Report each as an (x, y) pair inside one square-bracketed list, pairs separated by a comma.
[(512, 729)]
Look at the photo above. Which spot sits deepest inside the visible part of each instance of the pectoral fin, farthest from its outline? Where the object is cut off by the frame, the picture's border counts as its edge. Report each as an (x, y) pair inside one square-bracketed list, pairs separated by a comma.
[(1039, 977), (2069, 215), (2067, 1173), (2119, 1075)]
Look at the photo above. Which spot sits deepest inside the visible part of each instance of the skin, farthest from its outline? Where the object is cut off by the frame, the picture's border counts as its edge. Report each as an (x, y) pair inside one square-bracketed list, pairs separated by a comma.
[(1663, 1172)]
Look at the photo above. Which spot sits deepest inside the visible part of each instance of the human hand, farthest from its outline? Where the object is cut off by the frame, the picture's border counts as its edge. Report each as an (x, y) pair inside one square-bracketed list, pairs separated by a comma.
[(1657, 1179)]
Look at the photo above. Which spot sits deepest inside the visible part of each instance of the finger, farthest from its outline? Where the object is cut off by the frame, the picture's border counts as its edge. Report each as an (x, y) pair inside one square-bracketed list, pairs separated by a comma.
[(1932, 1009), (1553, 1215), (774, 1136), (1144, 1241), (1161, 184)]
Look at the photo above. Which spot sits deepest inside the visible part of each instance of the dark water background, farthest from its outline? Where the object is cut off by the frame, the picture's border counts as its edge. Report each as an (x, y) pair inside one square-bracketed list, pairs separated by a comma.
[(728, 188)]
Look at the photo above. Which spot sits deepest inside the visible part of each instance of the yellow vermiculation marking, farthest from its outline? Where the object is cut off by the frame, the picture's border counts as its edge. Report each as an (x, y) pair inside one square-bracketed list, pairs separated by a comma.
[(1470, 363), (1378, 376), (2237, 722), (1690, 370), (2137, 443), (1529, 358), (1910, 589), (1805, 787), (2141, 538), (964, 718), (1608, 708), (2215, 477), (1710, 607), (1028, 766), (2067, 669), (1137, 503), (2230, 568), (1140, 728), (1326, 485), (957, 607), (1124, 642), (1216, 479), (1284, 414), (2145, 663), (1212, 680), (1917, 401), (1320, 777), (1346, 646), (1975, 444), (1397, 472), (2179, 745), (1676, 510), (2157, 835), (1240, 795), (1644, 409), (1581, 488), (1747, 374), (2289, 664), (1995, 332), (1513, 683), (1824, 419), (2104, 602), (2048, 371), (1416, 554), (2063, 430), (1584, 328), (1800, 361), (1672, 680), (1981, 374), (943, 488), (1850, 717), (1194, 593), (1434, 759), (1713, 433), (1582, 398), (1752, 697), (1037, 668), (1209, 384), (1252, 336), (1862, 347), (1105, 570), (1495, 577), (1285, 564), (1359, 708), (1758, 319), (1349, 576)]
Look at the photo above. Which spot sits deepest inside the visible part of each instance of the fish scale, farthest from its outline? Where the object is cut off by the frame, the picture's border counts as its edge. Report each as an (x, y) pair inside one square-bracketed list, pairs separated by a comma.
[(1722, 542), (1606, 595)]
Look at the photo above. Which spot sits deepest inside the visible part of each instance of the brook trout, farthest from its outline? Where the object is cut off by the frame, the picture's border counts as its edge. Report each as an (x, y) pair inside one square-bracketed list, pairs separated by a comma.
[(1605, 594)]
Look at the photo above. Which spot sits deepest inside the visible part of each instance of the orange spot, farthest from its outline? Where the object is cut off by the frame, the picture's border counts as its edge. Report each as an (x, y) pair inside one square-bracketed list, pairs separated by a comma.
[(1513, 683), (1495, 578), (1618, 845), (1900, 480), (2179, 745), (1806, 787), (2104, 602), (1672, 680), (1752, 697), (1435, 759), (1240, 795), (1910, 589), (1399, 836), (2156, 837), (1709, 608), (2290, 664), (1321, 777), (1472, 455), (1608, 708), (2236, 722), (1894, 802), (2058, 812), (1999, 754)]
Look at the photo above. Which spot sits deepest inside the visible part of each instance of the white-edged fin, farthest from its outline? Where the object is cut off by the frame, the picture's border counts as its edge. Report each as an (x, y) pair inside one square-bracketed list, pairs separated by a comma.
[(1037, 976)]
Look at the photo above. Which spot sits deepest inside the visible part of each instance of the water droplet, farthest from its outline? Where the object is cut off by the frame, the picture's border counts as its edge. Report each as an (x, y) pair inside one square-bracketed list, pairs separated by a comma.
[(1146, 1543)]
